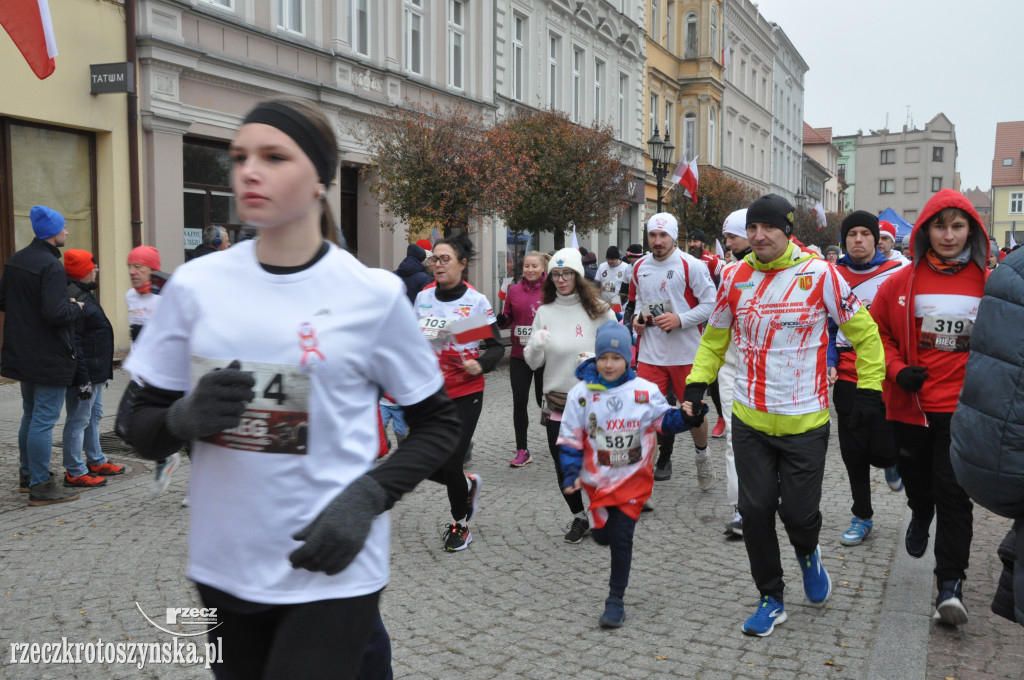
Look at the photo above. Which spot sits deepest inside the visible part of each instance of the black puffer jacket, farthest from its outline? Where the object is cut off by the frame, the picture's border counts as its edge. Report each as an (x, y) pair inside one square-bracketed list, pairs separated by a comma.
[(39, 335), (412, 272), (94, 333)]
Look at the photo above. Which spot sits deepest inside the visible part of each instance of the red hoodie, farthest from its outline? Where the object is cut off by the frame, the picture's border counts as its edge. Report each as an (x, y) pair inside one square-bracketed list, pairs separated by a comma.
[(893, 310)]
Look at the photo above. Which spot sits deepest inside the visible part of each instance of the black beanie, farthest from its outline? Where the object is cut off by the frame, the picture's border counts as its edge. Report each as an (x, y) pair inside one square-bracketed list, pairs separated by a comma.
[(635, 250), (415, 252), (859, 218), (698, 235), (612, 253), (774, 210)]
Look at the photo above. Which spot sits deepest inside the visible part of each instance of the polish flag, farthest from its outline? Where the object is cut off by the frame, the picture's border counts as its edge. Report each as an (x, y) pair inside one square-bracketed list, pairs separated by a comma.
[(689, 180), (471, 329), (718, 249), (28, 23)]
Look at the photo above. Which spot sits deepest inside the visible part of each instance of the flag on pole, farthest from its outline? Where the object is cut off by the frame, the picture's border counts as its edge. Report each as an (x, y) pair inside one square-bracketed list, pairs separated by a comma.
[(29, 25), (819, 215), (718, 249), (689, 180), (471, 329), (1013, 243), (575, 243), (434, 236)]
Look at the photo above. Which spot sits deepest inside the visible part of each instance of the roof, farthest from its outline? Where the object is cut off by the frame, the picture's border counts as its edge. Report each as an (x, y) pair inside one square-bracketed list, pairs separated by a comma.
[(1009, 144), (817, 135), (979, 199)]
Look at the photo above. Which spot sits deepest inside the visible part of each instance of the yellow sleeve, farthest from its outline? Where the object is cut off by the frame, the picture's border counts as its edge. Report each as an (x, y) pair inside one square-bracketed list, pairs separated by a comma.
[(711, 355), (863, 333)]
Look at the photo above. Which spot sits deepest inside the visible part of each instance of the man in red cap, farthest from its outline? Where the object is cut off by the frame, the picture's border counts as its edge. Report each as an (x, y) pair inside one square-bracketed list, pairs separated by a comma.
[(887, 242)]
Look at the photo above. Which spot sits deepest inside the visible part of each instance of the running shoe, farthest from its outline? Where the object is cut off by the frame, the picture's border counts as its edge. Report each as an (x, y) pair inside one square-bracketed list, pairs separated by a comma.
[(663, 469), (87, 480), (817, 584), (893, 479), (107, 469), (705, 474), (522, 458), (457, 537), (770, 612), (475, 483), (949, 605), (735, 526), (164, 469), (614, 613), (916, 540), (578, 528), (858, 531), (719, 430)]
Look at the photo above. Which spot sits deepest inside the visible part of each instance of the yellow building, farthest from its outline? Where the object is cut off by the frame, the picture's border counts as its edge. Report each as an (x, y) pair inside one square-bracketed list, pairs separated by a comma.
[(684, 81), (1008, 184), (67, 148)]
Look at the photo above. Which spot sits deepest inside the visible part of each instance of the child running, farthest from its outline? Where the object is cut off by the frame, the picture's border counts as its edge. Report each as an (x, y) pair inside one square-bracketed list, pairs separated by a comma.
[(607, 442)]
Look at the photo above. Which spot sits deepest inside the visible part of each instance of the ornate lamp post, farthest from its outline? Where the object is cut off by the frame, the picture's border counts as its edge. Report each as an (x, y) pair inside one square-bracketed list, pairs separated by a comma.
[(661, 153)]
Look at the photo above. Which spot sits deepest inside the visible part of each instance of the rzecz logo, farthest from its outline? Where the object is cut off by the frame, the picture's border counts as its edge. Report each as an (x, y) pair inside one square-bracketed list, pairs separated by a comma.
[(200, 617)]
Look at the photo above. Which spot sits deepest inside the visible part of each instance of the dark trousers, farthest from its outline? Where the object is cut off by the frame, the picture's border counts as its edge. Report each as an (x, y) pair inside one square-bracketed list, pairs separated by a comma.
[(520, 374), (767, 467), (451, 473), (932, 490), (666, 442), (861, 447), (573, 500), (617, 534), (322, 639)]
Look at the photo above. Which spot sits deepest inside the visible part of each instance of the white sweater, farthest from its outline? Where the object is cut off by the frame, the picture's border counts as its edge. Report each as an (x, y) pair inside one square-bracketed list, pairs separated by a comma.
[(572, 332)]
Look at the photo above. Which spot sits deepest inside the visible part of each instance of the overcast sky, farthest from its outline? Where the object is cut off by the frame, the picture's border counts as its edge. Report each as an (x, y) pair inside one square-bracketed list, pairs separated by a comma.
[(876, 57)]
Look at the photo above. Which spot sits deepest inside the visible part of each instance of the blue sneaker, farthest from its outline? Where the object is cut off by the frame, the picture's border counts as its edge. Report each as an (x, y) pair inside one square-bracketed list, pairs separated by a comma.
[(614, 613), (858, 531), (770, 613), (817, 584), (893, 479)]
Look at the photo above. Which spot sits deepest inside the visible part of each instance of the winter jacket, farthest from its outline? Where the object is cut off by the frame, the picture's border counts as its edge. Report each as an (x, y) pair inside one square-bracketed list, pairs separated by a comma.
[(39, 334), (893, 307), (94, 334), (414, 275), (521, 304)]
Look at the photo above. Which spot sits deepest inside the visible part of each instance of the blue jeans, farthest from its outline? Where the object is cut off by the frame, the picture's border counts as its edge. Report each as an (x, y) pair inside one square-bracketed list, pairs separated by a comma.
[(93, 453), (41, 407), (395, 415), (80, 413)]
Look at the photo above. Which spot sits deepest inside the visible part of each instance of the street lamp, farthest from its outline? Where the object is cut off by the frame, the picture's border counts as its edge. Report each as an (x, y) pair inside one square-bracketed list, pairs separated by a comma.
[(661, 153)]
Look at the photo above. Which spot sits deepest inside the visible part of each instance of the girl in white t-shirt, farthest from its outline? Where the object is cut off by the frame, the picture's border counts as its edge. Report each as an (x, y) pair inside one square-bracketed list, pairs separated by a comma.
[(278, 391)]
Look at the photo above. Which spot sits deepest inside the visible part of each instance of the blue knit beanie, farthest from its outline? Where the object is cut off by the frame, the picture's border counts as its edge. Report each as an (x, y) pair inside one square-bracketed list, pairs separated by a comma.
[(46, 222), (613, 337)]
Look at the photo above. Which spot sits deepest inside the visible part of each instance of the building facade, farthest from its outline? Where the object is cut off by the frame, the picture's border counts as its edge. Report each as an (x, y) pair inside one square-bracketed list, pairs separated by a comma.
[(747, 102), (902, 170), (1008, 184), (818, 145), (847, 169), (788, 69)]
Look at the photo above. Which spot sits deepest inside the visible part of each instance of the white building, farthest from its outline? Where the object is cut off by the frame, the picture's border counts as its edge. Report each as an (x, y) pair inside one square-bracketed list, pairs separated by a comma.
[(788, 114)]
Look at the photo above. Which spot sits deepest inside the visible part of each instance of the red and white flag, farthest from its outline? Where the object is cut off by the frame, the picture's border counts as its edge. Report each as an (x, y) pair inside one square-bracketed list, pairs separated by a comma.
[(689, 180), (28, 23), (471, 329), (718, 249)]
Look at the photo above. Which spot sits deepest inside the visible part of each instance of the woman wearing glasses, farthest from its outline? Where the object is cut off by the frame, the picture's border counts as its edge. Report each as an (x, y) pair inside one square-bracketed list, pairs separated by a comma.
[(455, 318), (565, 328)]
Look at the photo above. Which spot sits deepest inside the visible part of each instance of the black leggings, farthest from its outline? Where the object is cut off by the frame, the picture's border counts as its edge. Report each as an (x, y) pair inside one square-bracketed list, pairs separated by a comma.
[(573, 500), (321, 639), (618, 534), (451, 473), (520, 375)]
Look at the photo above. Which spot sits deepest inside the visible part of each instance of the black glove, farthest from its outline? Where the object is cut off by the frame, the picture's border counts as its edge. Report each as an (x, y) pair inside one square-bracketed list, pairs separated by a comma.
[(501, 319), (868, 409), (336, 536), (85, 392), (694, 393), (912, 378), (216, 404)]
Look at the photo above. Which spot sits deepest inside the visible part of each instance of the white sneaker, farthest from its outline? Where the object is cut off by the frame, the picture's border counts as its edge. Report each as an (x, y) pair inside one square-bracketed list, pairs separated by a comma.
[(164, 470), (184, 502), (705, 474)]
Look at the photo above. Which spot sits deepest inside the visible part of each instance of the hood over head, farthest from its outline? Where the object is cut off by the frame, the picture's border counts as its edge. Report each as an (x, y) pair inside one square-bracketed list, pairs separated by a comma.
[(948, 198)]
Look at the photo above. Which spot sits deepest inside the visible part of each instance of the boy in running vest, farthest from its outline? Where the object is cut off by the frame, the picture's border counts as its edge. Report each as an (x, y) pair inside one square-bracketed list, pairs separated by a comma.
[(607, 442)]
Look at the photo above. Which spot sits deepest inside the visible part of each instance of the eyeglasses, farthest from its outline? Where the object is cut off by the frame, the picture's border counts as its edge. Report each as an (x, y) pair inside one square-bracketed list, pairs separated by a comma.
[(562, 276), (443, 259)]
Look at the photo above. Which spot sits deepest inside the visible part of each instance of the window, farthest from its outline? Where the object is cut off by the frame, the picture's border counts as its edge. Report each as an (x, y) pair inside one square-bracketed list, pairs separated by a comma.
[(711, 136), (598, 92), (226, 4), (456, 38), (887, 186), (653, 113), (937, 154), (577, 83), (936, 184), (913, 154), (414, 36), (1016, 202), (753, 84), (888, 156), (554, 44), (670, 12), (739, 155), (623, 89), (910, 216), (518, 31), (691, 36), (1007, 162), (910, 185), (715, 52), (208, 199), (743, 76), (669, 118), (359, 26), (655, 23), (291, 15), (690, 135)]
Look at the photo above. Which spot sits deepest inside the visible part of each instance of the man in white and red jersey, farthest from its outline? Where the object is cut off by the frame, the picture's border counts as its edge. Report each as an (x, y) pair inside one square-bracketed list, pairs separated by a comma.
[(926, 313), (695, 246), (774, 306), (672, 295), (872, 444), (887, 242)]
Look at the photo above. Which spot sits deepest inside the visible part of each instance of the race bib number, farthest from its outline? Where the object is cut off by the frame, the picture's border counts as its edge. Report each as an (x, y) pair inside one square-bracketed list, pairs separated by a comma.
[(524, 332), (619, 449), (946, 333), (657, 308), (277, 419), (433, 327), (609, 286)]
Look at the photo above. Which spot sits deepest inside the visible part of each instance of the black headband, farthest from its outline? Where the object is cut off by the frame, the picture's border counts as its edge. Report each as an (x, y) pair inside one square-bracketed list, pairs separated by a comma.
[(296, 126)]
